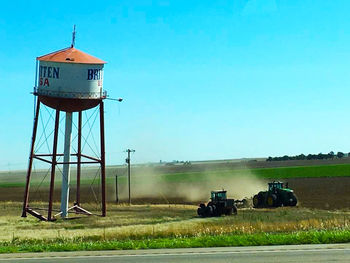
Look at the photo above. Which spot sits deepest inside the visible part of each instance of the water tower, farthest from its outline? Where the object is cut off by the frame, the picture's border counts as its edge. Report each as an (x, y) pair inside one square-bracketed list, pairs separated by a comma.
[(68, 81)]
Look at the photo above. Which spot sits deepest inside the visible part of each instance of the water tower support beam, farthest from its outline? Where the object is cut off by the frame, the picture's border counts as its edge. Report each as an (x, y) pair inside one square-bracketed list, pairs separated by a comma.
[(66, 165), (103, 167), (53, 167), (31, 157), (79, 158)]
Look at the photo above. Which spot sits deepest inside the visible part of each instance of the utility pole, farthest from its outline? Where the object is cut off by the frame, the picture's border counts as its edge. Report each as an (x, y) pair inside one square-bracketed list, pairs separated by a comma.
[(128, 162), (116, 189)]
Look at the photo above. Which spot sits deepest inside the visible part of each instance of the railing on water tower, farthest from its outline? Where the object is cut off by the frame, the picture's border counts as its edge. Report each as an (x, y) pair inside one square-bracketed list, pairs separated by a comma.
[(70, 95)]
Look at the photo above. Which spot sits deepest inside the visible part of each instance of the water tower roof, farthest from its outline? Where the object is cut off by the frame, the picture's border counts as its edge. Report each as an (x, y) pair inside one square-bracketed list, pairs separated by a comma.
[(71, 55)]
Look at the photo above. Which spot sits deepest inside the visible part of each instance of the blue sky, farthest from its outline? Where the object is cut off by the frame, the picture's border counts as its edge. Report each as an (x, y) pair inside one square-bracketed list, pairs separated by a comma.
[(200, 79)]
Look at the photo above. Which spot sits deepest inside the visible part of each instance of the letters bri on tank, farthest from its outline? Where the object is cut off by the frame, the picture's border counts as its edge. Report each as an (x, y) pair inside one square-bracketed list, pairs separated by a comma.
[(70, 74)]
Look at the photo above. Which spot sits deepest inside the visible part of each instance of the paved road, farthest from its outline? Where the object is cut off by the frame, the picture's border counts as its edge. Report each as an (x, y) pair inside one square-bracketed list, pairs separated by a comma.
[(301, 253)]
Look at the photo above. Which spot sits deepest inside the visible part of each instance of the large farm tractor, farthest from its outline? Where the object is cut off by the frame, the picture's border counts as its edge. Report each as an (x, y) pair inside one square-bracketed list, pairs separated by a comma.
[(277, 195), (218, 205)]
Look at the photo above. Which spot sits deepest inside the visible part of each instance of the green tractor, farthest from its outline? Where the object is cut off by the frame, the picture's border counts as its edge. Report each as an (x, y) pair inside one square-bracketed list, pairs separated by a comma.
[(218, 205), (277, 195)]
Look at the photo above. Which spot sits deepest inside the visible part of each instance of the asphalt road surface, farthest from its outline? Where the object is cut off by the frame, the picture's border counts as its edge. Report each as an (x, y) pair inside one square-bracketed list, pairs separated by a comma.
[(300, 253)]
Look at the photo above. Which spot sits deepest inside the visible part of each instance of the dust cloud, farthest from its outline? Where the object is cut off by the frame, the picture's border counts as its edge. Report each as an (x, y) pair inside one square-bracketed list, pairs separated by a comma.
[(150, 185)]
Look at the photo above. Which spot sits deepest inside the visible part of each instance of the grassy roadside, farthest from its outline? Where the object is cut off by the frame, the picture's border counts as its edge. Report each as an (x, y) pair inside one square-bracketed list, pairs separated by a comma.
[(259, 239), (171, 226)]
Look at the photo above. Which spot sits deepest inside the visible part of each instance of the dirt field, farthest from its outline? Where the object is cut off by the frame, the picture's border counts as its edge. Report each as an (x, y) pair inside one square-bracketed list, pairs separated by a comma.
[(324, 193)]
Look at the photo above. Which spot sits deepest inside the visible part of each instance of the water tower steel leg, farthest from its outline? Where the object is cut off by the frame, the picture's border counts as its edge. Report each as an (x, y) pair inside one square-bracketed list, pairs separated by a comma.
[(103, 167), (29, 172), (79, 158), (129, 181), (66, 166), (53, 165)]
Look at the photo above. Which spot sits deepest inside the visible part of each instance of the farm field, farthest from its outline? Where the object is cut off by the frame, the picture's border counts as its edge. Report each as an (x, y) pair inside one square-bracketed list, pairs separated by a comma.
[(140, 225), (197, 172), (165, 200), (317, 186), (323, 193)]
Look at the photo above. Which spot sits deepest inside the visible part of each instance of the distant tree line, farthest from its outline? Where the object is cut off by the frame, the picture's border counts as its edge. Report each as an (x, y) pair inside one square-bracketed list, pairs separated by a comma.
[(320, 156)]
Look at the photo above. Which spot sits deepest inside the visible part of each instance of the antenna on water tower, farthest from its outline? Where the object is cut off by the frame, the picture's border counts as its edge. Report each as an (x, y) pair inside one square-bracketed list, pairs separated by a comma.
[(73, 37)]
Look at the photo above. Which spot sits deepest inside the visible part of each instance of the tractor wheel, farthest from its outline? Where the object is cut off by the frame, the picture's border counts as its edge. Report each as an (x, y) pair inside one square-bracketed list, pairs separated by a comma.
[(293, 201), (200, 212), (207, 211), (210, 211), (259, 200), (256, 201), (214, 210), (271, 200), (228, 211)]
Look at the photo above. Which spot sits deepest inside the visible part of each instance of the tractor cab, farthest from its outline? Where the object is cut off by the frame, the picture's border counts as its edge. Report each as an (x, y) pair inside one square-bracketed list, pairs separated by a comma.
[(275, 185), (218, 195)]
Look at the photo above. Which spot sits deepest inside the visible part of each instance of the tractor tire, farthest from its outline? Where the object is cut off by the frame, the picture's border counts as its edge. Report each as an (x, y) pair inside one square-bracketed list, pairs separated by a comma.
[(210, 211), (259, 200), (256, 201), (228, 211), (200, 212), (217, 211), (293, 201), (271, 200), (213, 210)]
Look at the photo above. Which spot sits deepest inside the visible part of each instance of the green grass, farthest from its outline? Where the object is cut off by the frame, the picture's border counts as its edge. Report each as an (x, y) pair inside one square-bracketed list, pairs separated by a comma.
[(10, 185), (304, 171), (259, 239), (266, 173)]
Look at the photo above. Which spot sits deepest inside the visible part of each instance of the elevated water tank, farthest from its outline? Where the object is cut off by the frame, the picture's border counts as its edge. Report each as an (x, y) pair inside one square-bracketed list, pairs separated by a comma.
[(70, 80)]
